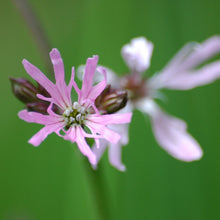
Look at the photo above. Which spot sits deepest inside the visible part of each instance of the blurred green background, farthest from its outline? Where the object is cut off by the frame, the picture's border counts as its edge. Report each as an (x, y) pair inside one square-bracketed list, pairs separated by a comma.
[(50, 182)]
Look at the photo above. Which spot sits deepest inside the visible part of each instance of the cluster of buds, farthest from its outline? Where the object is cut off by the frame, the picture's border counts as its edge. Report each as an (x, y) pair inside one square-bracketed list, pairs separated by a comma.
[(108, 102)]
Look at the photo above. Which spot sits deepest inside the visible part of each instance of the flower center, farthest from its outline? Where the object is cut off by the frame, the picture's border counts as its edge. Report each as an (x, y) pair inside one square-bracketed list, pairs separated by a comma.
[(75, 115), (136, 87)]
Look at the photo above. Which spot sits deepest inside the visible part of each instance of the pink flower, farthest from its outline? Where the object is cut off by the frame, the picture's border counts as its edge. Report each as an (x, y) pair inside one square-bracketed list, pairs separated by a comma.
[(181, 73), (78, 120)]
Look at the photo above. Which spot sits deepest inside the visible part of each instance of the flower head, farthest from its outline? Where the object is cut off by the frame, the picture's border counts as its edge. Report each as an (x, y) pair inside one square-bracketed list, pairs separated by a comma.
[(77, 119)]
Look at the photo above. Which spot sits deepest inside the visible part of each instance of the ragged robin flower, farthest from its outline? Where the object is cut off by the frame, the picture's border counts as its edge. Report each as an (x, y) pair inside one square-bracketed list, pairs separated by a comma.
[(79, 119), (183, 72)]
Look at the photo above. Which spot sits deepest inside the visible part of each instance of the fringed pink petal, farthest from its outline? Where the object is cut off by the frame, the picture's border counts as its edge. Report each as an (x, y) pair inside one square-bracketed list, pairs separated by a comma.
[(37, 75), (40, 136), (70, 134), (90, 69), (58, 66), (114, 149), (35, 117), (103, 131), (84, 147), (97, 89), (76, 134), (72, 83), (111, 119)]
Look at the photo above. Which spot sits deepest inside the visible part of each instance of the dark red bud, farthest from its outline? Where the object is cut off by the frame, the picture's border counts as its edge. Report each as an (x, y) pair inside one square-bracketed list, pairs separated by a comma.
[(40, 107), (24, 90), (111, 100)]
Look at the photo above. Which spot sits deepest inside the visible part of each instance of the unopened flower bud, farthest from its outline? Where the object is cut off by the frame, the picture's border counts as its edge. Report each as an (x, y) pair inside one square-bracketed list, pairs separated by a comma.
[(24, 90), (40, 107), (111, 100)]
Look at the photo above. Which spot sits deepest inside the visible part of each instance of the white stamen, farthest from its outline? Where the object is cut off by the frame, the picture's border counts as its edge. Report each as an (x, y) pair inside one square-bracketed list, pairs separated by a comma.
[(82, 110), (78, 117), (76, 105), (67, 112), (75, 115), (72, 119)]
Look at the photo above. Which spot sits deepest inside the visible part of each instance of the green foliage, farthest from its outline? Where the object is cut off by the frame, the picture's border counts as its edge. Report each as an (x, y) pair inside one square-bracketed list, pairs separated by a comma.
[(49, 182)]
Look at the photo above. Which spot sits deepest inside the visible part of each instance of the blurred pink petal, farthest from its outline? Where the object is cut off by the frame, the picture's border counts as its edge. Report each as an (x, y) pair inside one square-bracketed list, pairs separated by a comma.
[(171, 133), (202, 52), (114, 155), (182, 71), (175, 141), (190, 80), (99, 150), (137, 54)]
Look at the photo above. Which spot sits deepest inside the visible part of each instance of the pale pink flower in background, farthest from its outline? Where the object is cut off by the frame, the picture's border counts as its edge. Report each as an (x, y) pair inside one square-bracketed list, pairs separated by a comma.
[(78, 120), (181, 73), (137, 54)]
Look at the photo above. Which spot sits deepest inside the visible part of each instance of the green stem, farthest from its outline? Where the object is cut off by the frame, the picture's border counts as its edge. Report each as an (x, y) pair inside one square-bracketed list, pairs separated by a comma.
[(98, 190), (36, 30)]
